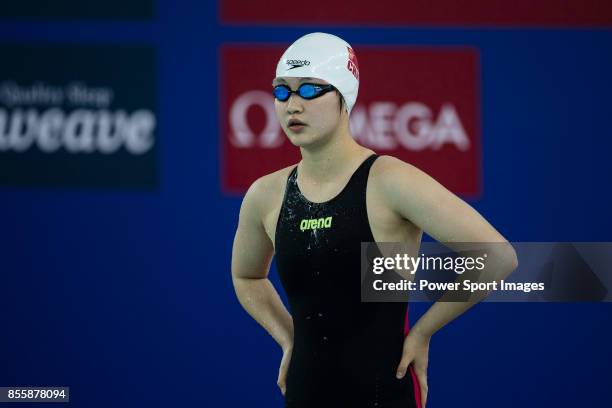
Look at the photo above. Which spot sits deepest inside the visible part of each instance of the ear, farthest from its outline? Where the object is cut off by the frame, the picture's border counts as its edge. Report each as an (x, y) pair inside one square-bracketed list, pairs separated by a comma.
[(342, 102), (344, 106)]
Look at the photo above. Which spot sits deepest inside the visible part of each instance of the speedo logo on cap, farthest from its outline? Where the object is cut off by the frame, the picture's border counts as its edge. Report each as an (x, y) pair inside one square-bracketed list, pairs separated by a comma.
[(297, 63)]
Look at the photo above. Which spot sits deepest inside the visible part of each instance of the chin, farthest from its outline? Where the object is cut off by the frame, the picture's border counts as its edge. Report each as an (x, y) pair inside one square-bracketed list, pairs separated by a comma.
[(302, 140)]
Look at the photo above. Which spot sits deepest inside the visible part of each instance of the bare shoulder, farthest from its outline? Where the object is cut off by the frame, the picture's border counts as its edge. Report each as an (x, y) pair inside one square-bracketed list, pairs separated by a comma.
[(385, 164), (404, 187), (266, 193), (389, 172)]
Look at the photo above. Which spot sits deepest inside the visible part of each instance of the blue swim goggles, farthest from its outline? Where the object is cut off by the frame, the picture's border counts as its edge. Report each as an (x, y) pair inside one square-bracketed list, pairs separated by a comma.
[(306, 91)]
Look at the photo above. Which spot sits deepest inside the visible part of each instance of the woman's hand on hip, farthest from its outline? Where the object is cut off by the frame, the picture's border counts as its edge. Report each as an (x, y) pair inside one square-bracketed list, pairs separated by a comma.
[(284, 366), (416, 352)]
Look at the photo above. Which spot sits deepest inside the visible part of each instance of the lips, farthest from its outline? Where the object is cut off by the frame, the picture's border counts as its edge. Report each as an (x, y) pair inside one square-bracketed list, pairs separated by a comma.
[(293, 122)]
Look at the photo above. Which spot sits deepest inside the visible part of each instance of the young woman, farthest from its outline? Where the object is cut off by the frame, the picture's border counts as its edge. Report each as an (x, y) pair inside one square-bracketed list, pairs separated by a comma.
[(337, 350)]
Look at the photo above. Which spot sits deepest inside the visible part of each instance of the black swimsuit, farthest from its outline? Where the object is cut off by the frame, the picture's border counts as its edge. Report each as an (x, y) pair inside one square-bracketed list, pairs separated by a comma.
[(345, 352)]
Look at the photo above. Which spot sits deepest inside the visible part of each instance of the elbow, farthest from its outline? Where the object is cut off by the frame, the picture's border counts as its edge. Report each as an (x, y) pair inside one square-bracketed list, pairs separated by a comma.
[(503, 259), (509, 259)]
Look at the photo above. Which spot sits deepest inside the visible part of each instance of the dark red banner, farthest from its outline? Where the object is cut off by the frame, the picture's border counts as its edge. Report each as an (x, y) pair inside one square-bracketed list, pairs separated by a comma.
[(418, 104), (418, 12)]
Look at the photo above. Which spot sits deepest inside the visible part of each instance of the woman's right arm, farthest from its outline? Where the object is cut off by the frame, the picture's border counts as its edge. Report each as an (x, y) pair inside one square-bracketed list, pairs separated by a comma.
[(251, 257)]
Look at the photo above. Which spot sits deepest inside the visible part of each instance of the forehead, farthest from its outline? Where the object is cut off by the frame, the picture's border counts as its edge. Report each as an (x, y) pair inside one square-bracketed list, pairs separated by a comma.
[(297, 80)]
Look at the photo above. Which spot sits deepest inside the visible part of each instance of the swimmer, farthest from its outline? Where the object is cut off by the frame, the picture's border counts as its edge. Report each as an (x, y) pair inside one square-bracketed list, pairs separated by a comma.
[(312, 217)]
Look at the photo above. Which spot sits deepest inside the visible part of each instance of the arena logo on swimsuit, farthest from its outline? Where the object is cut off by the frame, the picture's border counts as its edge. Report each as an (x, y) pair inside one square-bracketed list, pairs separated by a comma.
[(315, 223)]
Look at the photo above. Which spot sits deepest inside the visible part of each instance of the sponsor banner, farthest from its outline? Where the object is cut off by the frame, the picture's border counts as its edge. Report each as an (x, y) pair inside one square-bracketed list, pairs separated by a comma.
[(415, 12), (78, 9), (78, 116), (418, 104), (474, 271)]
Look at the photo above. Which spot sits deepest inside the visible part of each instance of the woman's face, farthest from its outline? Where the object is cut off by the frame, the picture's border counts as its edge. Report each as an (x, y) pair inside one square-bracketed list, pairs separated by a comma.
[(321, 116)]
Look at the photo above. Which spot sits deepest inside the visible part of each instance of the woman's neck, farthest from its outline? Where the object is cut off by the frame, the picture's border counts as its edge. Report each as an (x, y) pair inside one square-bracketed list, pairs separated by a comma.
[(331, 159)]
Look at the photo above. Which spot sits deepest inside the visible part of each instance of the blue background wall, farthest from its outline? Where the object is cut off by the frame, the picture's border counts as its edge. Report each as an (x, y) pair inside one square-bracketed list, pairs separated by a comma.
[(126, 297)]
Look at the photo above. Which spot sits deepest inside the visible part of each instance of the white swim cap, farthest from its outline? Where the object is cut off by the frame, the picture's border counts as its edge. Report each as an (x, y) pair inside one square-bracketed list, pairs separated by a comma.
[(323, 56)]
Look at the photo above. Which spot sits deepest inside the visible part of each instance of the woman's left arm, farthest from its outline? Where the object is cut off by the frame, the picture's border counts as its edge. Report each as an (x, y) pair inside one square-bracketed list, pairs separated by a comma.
[(417, 197)]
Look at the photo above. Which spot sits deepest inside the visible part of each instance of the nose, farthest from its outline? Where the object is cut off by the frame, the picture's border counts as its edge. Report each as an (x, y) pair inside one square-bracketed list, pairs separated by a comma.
[(294, 104)]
